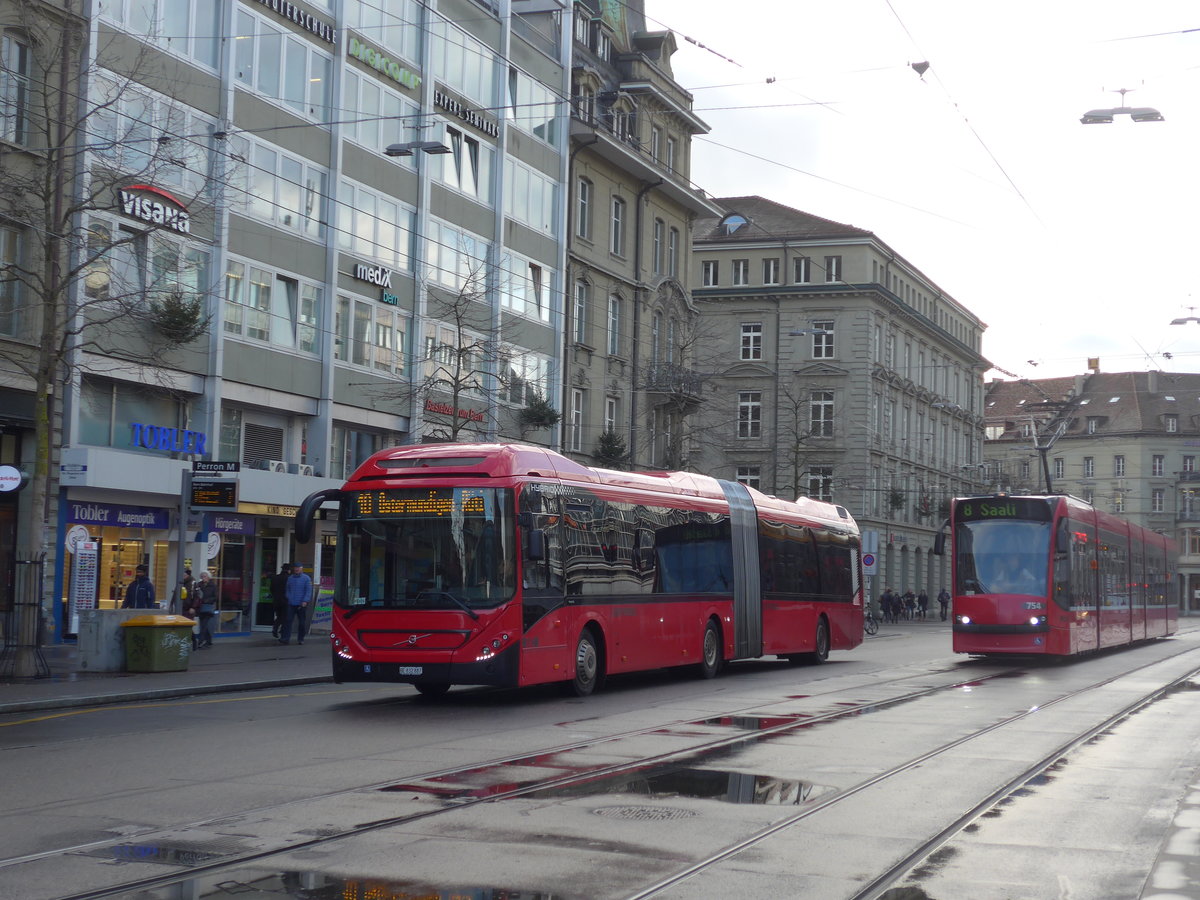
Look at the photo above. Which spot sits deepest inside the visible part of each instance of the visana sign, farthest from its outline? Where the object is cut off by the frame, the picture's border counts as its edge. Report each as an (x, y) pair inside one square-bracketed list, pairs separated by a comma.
[(141, 201)]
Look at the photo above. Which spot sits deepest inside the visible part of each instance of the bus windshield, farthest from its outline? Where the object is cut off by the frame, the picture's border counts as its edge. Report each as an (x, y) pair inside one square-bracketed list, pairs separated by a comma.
[(427, 548), (1006, 556)]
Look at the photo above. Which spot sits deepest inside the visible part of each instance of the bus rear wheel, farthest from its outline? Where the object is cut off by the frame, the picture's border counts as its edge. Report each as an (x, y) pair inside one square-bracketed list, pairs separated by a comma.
[(587, 666), (821, 645), (710, 651)]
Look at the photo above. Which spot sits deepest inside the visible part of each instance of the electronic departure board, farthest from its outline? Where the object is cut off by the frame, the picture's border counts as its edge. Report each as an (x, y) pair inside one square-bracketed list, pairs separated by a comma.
[(422, 502), (214, 495), (981, 508)]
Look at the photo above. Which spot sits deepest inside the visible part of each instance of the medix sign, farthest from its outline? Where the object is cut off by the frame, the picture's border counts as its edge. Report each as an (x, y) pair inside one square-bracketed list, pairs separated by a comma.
[(141, 201)]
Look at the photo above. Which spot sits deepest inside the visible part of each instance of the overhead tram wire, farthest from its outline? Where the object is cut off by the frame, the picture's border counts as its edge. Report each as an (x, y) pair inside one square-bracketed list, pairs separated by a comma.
[(966, 121)]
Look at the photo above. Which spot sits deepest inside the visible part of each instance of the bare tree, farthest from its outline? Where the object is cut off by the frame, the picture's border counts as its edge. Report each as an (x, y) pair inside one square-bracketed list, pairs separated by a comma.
[(99, 263), (795, 432)]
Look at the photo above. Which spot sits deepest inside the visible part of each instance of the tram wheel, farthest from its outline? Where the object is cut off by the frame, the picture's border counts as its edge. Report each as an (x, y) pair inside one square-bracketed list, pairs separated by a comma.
[(431, 688), (587, 666), (710, 651)]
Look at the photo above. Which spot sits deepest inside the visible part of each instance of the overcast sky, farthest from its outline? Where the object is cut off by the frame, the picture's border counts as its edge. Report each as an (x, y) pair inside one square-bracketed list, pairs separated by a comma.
[(1069, 241)]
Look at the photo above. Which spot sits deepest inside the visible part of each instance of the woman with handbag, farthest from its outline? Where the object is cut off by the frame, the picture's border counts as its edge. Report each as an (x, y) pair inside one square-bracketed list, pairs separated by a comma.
[(206, 608)]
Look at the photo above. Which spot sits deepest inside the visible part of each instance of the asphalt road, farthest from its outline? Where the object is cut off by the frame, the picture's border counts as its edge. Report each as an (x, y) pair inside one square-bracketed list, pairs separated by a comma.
[(881, 773)]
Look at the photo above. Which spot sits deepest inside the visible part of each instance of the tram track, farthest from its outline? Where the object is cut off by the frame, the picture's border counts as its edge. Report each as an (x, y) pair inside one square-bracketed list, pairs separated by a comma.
[(459, 788)]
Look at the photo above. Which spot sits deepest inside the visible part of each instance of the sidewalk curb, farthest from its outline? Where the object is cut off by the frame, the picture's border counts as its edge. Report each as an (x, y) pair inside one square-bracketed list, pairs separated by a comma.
[(132, 696)]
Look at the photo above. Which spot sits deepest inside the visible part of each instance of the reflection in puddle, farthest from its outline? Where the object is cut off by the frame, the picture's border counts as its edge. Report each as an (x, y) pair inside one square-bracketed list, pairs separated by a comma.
[(702, 784), (752, 723), (319, 886)]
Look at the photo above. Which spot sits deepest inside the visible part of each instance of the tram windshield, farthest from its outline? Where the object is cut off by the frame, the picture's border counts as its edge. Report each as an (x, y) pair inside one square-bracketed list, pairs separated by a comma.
[(1006, 556), (427, 548)]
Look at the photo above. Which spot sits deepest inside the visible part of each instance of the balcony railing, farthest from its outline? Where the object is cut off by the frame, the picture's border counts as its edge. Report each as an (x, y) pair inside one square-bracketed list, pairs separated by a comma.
[(682, 384)]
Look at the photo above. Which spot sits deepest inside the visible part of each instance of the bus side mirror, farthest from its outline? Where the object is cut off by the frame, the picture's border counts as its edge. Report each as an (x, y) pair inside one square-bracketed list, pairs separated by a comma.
[(535, 546), (308, 511)]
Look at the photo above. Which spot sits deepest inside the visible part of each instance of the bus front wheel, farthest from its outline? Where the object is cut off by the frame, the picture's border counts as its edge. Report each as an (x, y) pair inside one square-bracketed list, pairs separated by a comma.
[(821, 646), (587, 666)]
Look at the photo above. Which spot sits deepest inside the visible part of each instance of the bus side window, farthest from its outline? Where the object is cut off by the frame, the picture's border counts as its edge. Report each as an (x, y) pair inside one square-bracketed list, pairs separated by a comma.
[(535, 546)]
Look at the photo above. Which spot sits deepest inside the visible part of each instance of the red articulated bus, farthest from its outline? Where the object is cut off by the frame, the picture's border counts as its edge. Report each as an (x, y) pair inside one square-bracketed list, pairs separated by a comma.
[(1052, 575), (510, 565)]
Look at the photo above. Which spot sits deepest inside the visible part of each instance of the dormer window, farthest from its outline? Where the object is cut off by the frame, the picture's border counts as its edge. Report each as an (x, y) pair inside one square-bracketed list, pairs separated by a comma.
[(1092, 423), (1171, 423), (733, 222), (603, 44)]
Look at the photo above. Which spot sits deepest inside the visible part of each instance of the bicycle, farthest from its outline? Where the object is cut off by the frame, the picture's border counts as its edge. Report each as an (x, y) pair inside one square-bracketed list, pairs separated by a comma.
[(870, 623)]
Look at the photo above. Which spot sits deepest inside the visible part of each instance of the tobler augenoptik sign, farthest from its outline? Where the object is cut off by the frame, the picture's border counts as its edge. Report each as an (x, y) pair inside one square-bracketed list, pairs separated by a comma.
[(156, 206)]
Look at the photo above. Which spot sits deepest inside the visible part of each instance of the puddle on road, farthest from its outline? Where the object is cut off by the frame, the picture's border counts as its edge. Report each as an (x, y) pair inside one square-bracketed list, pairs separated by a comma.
[(319, 886), (689, 781)]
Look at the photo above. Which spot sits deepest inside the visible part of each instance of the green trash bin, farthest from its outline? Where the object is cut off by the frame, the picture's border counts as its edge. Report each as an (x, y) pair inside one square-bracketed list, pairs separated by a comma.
[(157, 643)]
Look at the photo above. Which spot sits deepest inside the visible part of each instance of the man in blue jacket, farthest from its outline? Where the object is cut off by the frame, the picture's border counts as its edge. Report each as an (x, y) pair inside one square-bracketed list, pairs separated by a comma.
[(140, 593), (298, 593)]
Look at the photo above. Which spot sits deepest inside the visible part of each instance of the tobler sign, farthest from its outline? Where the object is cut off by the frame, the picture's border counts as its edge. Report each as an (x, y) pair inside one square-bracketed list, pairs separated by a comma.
[(156, 206)]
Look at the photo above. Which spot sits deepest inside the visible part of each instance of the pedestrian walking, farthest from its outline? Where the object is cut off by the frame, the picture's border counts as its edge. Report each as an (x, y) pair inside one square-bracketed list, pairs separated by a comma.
[(140, 593), (943, 599), (299, 592), (922, 603), (206, 608), (181, 597), (910, 604), (279, 597)]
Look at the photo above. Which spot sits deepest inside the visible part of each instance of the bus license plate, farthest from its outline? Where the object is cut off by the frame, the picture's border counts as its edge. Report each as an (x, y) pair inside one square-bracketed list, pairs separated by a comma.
[(411, 670)]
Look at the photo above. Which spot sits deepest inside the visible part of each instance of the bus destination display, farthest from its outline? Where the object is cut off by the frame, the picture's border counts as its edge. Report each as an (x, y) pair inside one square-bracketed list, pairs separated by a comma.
[(433, 502), (1003, 508)]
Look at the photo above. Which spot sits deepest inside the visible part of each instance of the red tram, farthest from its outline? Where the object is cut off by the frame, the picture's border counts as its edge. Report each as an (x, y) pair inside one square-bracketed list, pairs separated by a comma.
[(511, 565), (1052, 575)]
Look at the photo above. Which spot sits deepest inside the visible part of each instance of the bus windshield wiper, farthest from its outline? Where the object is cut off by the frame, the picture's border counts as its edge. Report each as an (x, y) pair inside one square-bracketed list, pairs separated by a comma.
[(449, 596)]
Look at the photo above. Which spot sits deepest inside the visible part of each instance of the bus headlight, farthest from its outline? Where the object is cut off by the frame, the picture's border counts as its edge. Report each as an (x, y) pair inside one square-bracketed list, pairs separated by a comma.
[(963, 620), (1037, 620)]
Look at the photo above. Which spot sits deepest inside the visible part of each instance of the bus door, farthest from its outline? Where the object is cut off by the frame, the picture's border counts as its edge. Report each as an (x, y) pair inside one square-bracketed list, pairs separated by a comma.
[(747, 585)]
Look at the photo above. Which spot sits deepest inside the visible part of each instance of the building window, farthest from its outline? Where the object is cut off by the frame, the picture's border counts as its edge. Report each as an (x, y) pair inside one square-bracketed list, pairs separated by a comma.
[(1158, 465), (833, 269), (1189, 464), (611, 412), (617, 235), (749, 414), (656, 144), (188, 28), (771, 271), (673, 252), (820, 404), (614, 325), (670, 160), (656, 338), (1025, 469), (575, 422), (1156, 500), (660, 246), (741, 272), (752, 335), (114, 413), (1172, 424), (710, 269), (1089, 467), (1118, 466), (801, 270), (1092, 423), (10, 285), (583, 292), (468, 166), (583, 209), (822, 346), (1060, 467), (14, 89), (366, 334), (281, 66), (820, 483), (751, 476), (1118, 502)]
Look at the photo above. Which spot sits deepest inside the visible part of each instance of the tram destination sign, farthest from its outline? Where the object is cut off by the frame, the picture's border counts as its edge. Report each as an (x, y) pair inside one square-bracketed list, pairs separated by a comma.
[(215, 495), (979, 508)]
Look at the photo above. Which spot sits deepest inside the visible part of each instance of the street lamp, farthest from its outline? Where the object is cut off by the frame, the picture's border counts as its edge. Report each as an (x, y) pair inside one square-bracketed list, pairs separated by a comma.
[(1137, 113), (406, 149)]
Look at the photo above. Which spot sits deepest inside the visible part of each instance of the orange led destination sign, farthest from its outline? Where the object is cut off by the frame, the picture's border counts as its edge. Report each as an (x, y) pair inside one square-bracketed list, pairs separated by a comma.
[(433, 502)]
